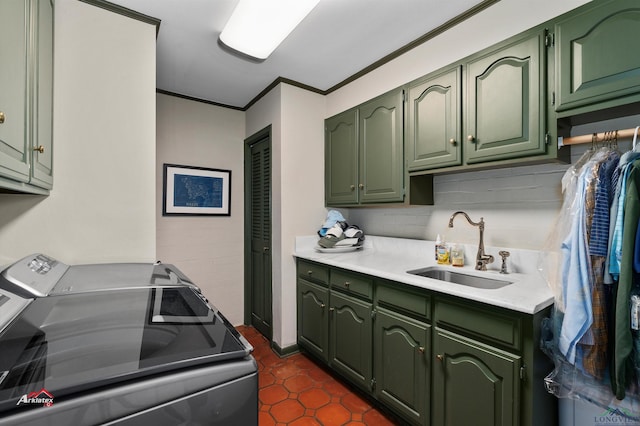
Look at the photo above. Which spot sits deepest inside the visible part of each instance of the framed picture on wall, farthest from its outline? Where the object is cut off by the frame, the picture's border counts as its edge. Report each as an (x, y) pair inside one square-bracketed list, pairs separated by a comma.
[(196, 191)]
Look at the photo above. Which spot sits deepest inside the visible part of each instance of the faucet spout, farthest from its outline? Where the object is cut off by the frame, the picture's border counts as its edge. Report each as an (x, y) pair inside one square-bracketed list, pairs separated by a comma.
[(481, 257)]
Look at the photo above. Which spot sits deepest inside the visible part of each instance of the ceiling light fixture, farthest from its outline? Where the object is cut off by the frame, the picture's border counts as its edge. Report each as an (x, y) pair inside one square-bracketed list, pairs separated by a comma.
[(257, 27)]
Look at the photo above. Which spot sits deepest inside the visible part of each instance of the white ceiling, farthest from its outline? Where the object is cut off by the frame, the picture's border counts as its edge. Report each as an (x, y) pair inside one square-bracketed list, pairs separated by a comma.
[(337, 40)]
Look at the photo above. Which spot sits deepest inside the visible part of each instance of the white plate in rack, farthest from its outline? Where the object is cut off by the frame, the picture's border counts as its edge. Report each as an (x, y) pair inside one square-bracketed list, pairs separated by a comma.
[(339, 249)]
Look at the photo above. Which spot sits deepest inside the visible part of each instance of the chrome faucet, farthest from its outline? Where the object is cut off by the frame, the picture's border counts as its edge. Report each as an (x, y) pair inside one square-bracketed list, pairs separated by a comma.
[(481, 258)]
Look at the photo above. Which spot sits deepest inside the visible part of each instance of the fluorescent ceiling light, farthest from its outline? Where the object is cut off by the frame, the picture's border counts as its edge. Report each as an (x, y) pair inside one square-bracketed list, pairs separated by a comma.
[(257, 27)]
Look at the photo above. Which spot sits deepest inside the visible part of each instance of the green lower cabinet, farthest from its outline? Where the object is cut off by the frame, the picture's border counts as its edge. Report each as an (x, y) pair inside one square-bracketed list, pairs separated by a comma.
[(402, 350), (430, 358), (350, 341), (474, 383), (313, 318)]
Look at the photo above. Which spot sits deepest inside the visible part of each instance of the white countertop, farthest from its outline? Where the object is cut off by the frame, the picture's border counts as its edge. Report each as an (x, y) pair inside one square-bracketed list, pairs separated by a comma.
[(390, 258)]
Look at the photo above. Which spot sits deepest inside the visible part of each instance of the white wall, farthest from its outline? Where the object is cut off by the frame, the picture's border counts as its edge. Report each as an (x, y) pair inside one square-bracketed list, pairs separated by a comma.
[(102, 206), (302, 197), (296, 117), (208, 249)]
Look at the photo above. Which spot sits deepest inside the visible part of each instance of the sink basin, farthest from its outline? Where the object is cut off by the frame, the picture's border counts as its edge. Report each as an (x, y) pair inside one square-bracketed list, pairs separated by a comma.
[(460, 278)]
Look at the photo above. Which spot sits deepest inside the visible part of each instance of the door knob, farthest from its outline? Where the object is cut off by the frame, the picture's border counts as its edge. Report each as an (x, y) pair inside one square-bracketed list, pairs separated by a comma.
[(452, 141), (421, 349), (471, 138), (2, 117), (440, 357), (40, 149)]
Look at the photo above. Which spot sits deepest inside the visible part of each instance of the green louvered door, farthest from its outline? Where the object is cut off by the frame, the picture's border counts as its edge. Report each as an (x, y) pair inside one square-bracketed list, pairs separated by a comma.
[(259, 214)]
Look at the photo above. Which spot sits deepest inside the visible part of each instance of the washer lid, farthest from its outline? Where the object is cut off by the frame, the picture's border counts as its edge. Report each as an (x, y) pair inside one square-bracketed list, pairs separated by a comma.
[(39, 275), (114, 276), (76, 342)]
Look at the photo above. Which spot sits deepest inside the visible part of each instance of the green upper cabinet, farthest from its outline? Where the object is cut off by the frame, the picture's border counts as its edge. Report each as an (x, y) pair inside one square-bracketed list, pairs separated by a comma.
[(488, 110), (341, 158), (364, 153), (26, 88), (380, 124), (505, 101), (597, 61), (42, 160), (14, 150), (434, 121)]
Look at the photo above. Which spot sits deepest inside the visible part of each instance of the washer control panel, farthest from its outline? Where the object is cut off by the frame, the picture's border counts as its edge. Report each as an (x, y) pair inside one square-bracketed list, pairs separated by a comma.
[(32, 276)]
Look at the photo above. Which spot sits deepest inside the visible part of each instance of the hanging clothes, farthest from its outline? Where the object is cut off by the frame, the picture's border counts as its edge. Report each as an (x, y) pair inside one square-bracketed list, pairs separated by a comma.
[(576, 332), (596, 284), (623, 363), (595, 350)]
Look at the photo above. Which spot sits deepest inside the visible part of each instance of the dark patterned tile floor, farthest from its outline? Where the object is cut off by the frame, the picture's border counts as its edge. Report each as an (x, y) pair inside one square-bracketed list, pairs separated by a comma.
[(295, 391)]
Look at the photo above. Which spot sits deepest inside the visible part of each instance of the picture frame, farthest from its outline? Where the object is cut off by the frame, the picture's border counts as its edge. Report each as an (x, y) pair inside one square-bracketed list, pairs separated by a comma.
[(195, 191)]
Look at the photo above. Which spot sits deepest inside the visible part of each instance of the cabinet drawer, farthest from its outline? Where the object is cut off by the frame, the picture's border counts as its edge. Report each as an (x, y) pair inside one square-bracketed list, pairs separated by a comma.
[(352, 283), (402, 300), (484, 324), (313, 272)]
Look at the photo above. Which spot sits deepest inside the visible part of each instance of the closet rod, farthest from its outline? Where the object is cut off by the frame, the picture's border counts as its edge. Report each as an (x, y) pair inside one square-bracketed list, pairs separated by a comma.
[(601, 137)]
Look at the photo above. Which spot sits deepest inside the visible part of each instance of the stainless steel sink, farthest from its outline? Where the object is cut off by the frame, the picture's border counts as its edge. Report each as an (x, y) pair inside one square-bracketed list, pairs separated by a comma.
[(459, 278)]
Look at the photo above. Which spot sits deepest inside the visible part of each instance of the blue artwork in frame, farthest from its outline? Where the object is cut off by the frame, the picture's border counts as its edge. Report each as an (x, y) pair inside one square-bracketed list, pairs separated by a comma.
[(190, 190)]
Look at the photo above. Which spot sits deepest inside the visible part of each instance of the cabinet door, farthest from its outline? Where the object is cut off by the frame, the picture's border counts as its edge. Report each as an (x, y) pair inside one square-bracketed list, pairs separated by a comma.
[(474, 383), (351, 339), (505, 108), (434, 122), (313, 318), (42, 149), (14, 90), (402, 352), (596, 52), (341, 158), (381, 149)]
